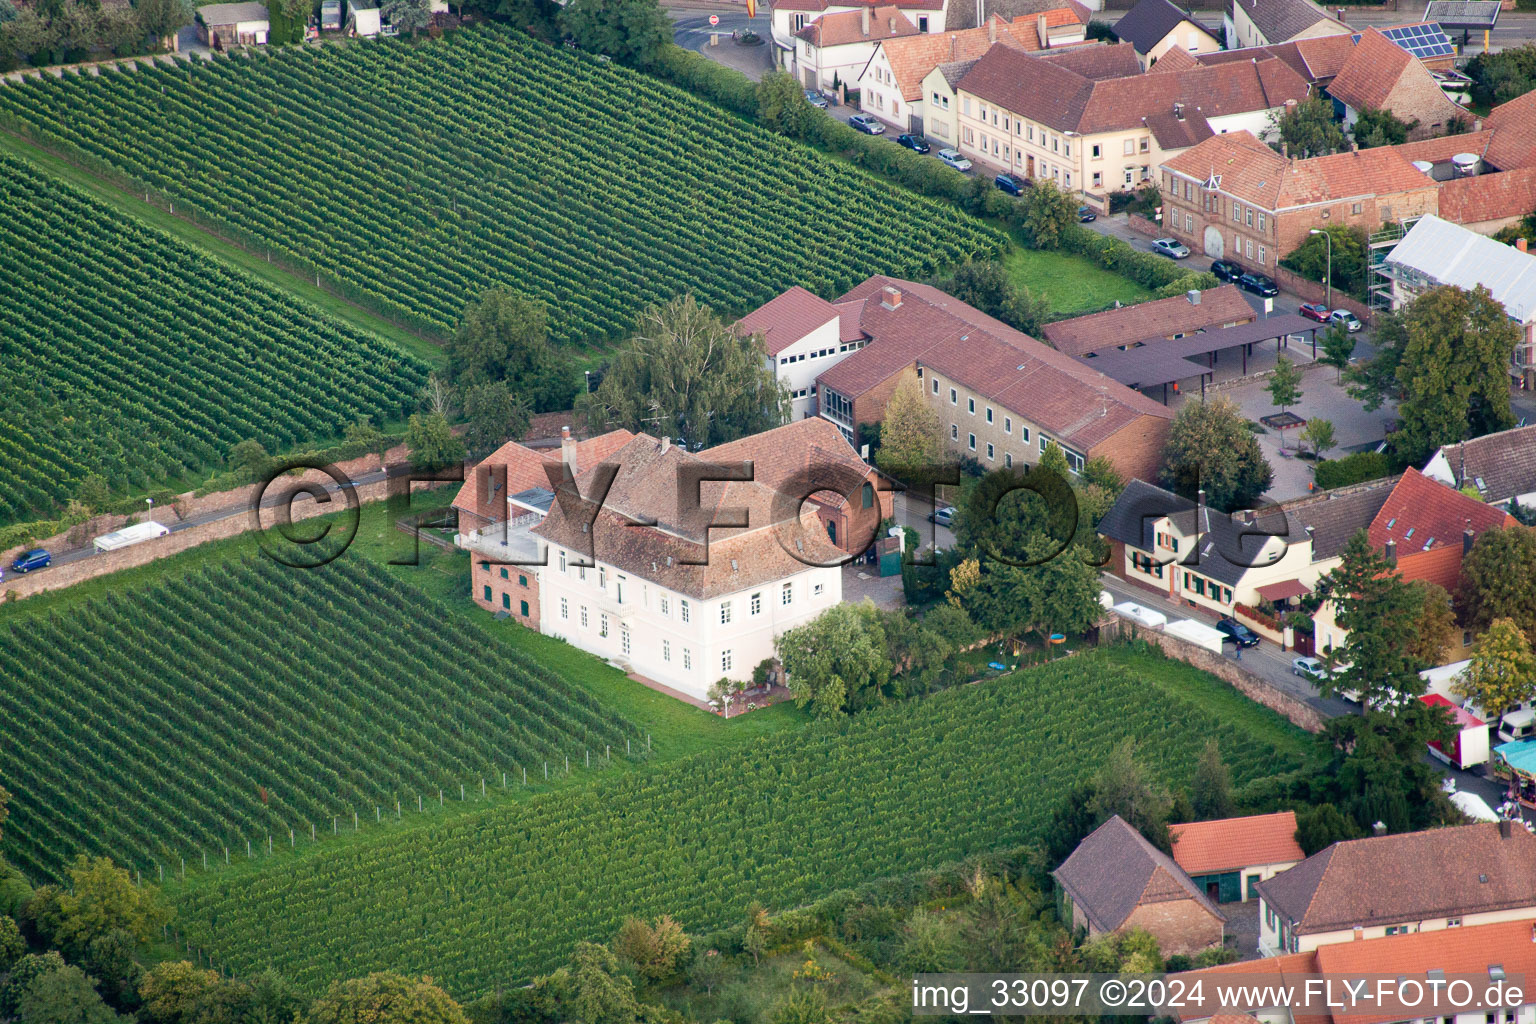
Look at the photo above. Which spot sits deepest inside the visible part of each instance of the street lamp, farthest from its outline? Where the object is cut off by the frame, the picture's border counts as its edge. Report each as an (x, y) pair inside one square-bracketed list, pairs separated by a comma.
[(589, 380), (1329, 282)]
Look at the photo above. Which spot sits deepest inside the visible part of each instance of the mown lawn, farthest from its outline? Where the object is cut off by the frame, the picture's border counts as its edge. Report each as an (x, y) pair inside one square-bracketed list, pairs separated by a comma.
[(1072, 284)]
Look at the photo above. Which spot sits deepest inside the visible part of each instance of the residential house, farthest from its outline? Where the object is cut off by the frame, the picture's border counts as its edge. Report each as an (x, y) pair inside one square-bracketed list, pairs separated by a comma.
[(1380, 75), (804, 335), (1116, 881), (1042, 119), (810, 460), (1172, 318), (1233, 197), (1436, 252), (1229, 857), (1154, 27), (1501, 467), (833, 50), (1003, 395), (1316, 60), (940, 105), (1425, 529), (221, 26), (891, 85), (789, 17), (1263, 22), (1427, 881)]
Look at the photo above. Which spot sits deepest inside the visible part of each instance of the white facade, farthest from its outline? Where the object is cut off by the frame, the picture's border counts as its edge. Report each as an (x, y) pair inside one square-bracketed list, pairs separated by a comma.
[(880, 94), (819, 67), (364, 17), (798, 365), (1273, 943), (674, 639), (785, 22)]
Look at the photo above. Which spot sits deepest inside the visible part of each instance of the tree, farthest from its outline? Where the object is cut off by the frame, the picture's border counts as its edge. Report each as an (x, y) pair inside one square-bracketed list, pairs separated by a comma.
[(1434, 622), (911, 438), (161, 19), (1320, 826), (836, 662), (801, 1006), (1211, 789), (1318, 434), (1209, 446), (64, 996), (1338, 349), (7, 11), (1046, 213), (985, 285), (1376, 608), (503, 336), (12, 946), (1374, 127), (656, 950), (1122, 786), (5, 799), (100, 898), (1501, 77), (1375, 381), (432, 443), (23, 973), (362, 436), (688, 373), (1496, 579), (707, 970), (119, 32), (1454, 370), (407, 15), (632, 31), (110, 958), (23, 36), (754, 939), (495, 416), (249, 460), (1308, 129), (385, 998), (782, 106), (172, 990), (1284, 386), (930, 943), (1502, 674)]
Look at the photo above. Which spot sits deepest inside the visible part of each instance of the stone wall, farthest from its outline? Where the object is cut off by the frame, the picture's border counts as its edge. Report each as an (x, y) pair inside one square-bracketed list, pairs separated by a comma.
[(1229, 671), (1314, 291), (1143, 226)]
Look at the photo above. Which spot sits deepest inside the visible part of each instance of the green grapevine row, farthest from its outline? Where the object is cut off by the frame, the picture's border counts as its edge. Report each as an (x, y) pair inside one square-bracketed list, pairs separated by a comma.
[(496, 896), (125, 353), (245, 700), (419, 174)]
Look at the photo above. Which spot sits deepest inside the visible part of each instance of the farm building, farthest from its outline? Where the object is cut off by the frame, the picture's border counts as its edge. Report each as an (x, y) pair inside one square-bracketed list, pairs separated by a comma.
[(224, 25), (1228, 857)]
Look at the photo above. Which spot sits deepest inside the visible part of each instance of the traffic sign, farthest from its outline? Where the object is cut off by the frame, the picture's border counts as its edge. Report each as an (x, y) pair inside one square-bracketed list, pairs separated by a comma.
[(714, 19)]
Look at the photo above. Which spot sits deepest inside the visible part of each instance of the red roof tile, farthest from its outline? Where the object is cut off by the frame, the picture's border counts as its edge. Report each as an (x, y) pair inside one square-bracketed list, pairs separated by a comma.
[(787, 317), (525, 468), (912, 57), (1160, 318), (782, 457), (1488, 197), (846, 27), (1371, 72), (1423, 514), (1442, 148), (1514, 140), (1229, 844)]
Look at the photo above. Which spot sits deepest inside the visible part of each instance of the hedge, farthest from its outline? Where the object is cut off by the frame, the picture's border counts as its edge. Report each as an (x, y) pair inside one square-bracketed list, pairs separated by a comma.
[(1352, 469)]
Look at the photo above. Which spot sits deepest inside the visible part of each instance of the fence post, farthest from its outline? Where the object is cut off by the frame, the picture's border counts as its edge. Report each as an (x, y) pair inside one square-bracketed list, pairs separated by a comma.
[(567, 764), (461, 792), (439, 798), (589, 757), (248, 853), (482, 789), (226, 856), (311, 831), (354, 819)]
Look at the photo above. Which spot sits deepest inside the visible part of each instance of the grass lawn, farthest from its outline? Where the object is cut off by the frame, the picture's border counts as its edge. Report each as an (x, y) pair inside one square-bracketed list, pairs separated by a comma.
[(1072, 284), (252, 263)]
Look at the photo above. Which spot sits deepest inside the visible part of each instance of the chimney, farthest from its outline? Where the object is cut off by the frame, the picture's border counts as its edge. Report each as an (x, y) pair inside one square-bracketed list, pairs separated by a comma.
[(992, 30), (1522, 245), (1178, 111), (1477, 125), (951, 46), (1040, 30), (568, 449), (890, 25), (1379, 829), (1507, 831), (1467, 537), (890, 297), (1341, 16), (666, 443), (1391, 553), (866, 21), (1359, 933), (1193, 295)]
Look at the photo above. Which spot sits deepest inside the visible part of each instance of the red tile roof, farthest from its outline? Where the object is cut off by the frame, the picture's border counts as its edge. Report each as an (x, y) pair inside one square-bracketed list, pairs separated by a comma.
[(1230, 844), (1423, 514), (483, 497), (783, 458), (1325, 55), (1442, 148), (1288, 969), (912, 57), (1160, 318), (1489, 197), (787, 317), (1371, 72), (1514, 125), (845, 27), (1096, 61)]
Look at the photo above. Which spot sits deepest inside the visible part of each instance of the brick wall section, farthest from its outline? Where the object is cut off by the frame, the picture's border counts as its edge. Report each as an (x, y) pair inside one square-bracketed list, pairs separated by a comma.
[(1179, 926), (1419, 97), (1142, 226), (1253, 687), (1136, 449), (1314, 291), (512, 587), (870, 406)]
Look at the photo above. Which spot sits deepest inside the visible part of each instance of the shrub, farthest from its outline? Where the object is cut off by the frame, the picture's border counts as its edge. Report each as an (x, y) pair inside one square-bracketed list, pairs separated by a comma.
[(1352, 469)]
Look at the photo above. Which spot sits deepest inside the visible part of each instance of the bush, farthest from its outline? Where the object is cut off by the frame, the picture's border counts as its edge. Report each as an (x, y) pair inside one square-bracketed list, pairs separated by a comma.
[(1352, 469)]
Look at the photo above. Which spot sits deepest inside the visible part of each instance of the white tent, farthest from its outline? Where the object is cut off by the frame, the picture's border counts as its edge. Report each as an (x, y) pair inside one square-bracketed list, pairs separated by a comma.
[(1473, 806), (130, 535), (1197, 633), (1145, 616)]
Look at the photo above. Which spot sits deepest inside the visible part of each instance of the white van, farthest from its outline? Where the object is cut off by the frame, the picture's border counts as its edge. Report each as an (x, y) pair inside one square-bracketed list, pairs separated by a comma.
[(1517, 725)]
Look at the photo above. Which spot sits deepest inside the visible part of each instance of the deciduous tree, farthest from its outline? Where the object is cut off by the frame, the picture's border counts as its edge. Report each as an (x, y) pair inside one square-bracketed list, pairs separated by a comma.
[(657, 949), (1284, 386), (64, 996), (1209, 447), (782, 106), (432, 443), (1211, 789), (12, 945), (1434, 621), (1377, 609), (1122, 786), (1374, 127), (388, 998), (161, 19), (1318, 435), (911, 438), (407, 15), (1496, 578), (837, 661), (1503, 670), (1338, 349), (505, 337), (632, 31), (495, 416), (1309, 129), (985, 285)]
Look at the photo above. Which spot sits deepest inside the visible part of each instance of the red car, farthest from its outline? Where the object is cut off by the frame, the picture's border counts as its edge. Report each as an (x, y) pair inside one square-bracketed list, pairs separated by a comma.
[(1314, 311)]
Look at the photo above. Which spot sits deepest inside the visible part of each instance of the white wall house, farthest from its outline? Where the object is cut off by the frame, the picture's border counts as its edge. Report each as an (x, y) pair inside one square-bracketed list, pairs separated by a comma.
[(803, 336), (789, 17), (831, 52)]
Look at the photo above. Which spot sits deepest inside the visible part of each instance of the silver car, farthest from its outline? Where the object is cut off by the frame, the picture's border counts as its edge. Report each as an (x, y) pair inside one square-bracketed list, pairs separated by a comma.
[(1310, 668), (1345, 319), (954, 159), (1171, 247)]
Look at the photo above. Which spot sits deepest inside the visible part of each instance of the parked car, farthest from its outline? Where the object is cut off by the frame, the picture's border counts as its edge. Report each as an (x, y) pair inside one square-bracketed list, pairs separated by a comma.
[(1258, 284), (1170, 247), (1226, 270), (1237, 633), (1086, 214), (27, 561), (954, 159), (944, 516), (1008, 183), (1314, 311), (1311, 668), (869, 124), (815, 99), (1517, 725), (916, 143), (1345, 319)]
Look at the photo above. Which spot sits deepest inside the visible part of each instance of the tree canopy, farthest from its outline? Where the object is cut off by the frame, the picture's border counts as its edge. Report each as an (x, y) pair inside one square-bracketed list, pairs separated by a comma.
[(1502, 673), (911, 435), (1210, 447), (985, 285), (1496, 579), (632, 31), (1378, 611), (837, 662), (385, 998), (1375, 127), (1309, 129), (687, 373), (505, 337)]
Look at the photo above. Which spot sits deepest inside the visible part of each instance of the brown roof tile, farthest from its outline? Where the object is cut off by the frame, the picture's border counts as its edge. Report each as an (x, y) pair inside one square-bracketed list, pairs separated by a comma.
[(1371, 72), (1258, 175), (1160, 318), (787, 317), (1488, 197), (1409, 877), (525, 468), (1423, 514), (1228, 844), (846, 27), (1282, 20), (1502, 465), (1096, 61), (1337, 515), (1115, 870), (1174, 132), (913, 57), (1176, 59), (785, 458), (1514, 125), (1442, 148)]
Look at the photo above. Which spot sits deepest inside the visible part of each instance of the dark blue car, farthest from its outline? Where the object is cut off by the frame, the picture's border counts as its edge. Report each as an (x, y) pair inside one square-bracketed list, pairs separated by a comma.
[(37, 558), (1008, 183)]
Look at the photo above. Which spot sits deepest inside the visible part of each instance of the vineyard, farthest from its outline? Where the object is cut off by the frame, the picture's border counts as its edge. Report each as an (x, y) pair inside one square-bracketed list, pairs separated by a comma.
[(414, 176), (491, 898), (245, 700), (127, 354)]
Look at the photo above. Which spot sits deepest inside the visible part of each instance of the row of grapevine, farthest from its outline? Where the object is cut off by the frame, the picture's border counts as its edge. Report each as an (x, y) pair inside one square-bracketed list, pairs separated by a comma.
[(242, 701), (422, 173), (491, 898), (125, 353)]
